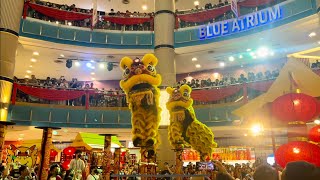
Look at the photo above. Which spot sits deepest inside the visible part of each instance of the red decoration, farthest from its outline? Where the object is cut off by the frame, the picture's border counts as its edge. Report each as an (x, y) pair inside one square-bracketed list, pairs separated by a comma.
[(53, 153), (295, 107), (298, 151), (127, 20), (69, 151), (66, 165), (314, 134)]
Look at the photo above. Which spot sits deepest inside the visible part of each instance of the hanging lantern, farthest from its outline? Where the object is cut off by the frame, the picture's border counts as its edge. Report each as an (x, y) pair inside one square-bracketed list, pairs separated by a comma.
[(298, 151), (53, 153), (314, 134), (66, 165), (295, 107), (69, 151)]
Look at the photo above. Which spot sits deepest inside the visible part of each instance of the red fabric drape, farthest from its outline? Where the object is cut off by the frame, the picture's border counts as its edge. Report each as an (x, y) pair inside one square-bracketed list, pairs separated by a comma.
[(207, 95), (254, 3), (127, 20), (260, 86), (57, 13), (50, 94), (204, 15)]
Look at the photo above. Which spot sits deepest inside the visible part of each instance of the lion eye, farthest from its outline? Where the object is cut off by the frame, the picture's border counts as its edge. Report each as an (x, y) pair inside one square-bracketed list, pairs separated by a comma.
[(17, 152), (186, 94), (150, 68), (28, 152), (127, 71)]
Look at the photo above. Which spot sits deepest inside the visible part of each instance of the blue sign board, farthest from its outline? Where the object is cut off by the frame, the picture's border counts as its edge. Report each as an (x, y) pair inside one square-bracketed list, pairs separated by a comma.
[(240, 24)]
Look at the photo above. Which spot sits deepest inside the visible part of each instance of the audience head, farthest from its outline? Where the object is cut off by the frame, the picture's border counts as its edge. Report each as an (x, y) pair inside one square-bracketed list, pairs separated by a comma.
[(223, 176), (24, 171), (300, 170), (265, 172)]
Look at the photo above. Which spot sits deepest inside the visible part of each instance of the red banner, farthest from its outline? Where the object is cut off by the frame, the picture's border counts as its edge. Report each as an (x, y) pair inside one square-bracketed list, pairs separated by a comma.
[(56, 13), (128, 20), (208, 95), (50, 94), (204, 15), (254, 3)]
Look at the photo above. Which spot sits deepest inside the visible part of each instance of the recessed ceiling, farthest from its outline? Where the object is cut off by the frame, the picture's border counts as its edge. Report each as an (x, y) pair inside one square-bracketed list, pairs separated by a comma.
[(283, 40)]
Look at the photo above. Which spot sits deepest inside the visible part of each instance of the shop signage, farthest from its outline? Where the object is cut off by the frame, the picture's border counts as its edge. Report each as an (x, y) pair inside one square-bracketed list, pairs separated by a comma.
[(243, 23)]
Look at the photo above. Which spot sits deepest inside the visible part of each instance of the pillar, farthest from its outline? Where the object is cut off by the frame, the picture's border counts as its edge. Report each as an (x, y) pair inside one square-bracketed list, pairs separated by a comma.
[(46, 145), (11, 12), (3, 131), (164, 24), (107, 156)]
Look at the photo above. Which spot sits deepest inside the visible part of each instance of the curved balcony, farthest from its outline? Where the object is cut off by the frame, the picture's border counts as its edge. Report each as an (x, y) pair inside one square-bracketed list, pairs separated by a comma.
[(291, 10)]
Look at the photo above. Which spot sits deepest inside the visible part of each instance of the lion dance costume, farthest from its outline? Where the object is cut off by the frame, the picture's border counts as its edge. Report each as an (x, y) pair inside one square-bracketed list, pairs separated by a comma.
[(140, 82), (184, 127)]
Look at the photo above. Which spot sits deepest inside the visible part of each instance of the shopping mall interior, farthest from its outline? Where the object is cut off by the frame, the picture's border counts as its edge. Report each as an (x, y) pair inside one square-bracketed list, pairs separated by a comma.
[(168, 89)]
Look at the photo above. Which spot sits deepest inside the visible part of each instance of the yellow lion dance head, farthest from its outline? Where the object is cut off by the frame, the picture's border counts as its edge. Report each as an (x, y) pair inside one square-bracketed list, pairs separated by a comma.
[(24, 155), (139, 74), (180, 99)]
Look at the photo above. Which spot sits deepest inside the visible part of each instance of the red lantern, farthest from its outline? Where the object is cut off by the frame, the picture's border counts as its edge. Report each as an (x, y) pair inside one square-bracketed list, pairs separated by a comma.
[(66, 165), (295, 107), (314, 134), (53, 153), (298, 151), (69, 151)]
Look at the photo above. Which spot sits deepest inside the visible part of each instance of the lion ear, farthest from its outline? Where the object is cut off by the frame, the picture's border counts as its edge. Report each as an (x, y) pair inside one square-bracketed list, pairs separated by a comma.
[(169, 90), (184, 88), (125, 62), (13, 147), (32, 147), (149, 59)]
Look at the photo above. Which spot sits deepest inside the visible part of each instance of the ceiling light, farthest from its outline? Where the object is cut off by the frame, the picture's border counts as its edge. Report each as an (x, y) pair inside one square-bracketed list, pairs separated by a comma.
[(271, 53), (222, 64), (318, 42), (240, 56), (20, 139), (61, 55), (35, 53), (196, 3), (245, 134), (89, 64), (69, 23), (93, 78), (33, 60), (26, 76), (317, 121), (254, 57), (194, 59), (144, 7), (198, 66), (28, 71), (248, 50), (92, 67), (231, 58), (256, 129), (312, 34), (252, 54), (31, 66), (93, 73), (92, 61), (102, 65), (57, 22), (77, 63)]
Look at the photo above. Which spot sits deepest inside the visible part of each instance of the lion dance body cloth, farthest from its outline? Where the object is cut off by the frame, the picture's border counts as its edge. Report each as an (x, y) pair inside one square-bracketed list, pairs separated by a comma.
[(184, 127), (140, 83)]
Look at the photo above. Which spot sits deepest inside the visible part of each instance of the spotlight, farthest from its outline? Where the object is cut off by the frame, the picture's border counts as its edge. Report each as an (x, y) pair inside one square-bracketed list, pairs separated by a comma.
[(110, 66), (93, 79), (28, 71), (69, 23), (89, 64), (144, 7), (57, 22), (222, 64), (26, 76), (196, 3), (198, 66), (240, 56), (252, 54), (312, 34), (271, 53), (231, 58), (33, 60), (102, 65), (77, 63), (194, 59), (61, 55), (256, 129), (93, 73), (35, 53), (69, 63)]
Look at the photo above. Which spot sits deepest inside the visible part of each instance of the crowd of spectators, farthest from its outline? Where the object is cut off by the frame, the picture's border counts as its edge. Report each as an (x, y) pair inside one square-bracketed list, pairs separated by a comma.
[(101, 97), (226, 81), (147, 26)]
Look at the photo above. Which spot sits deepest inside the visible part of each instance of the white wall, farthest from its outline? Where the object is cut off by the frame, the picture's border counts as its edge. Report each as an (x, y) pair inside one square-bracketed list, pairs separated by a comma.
[(134, 5)]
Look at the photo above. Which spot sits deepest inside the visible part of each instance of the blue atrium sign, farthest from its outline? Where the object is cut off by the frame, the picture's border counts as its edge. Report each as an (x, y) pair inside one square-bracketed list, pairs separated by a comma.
[(243, 23)]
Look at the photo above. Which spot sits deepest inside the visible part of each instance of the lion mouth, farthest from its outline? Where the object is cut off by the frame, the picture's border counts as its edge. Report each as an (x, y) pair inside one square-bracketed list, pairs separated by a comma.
[(141, 86), (178, 108)]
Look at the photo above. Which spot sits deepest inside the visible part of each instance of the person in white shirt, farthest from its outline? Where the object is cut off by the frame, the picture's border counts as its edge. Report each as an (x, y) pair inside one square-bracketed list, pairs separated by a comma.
[(77, 165), (94, 174)]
